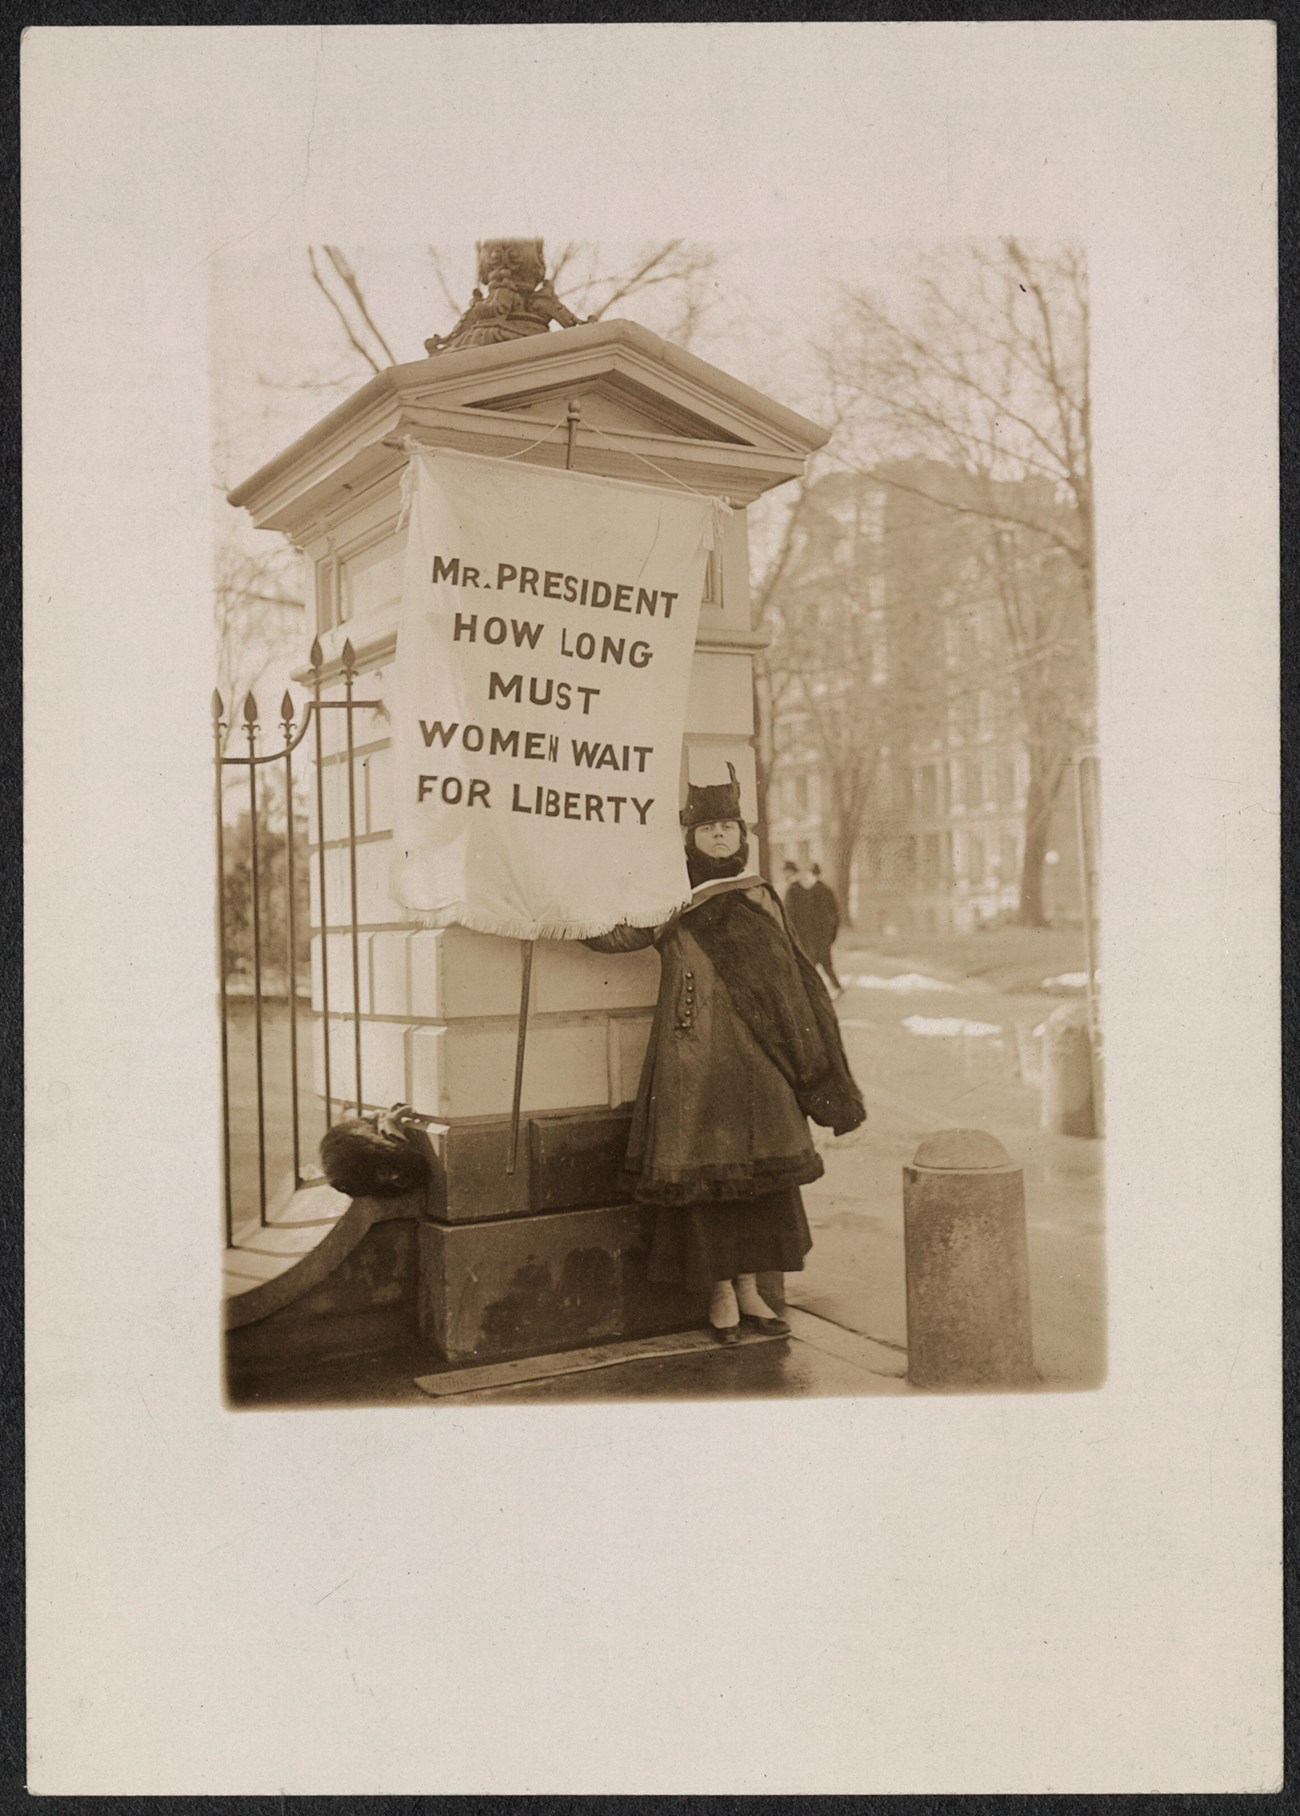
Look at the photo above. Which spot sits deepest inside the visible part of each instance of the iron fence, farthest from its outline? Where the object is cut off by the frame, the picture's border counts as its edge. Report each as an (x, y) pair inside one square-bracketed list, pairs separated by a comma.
[(259, 764)]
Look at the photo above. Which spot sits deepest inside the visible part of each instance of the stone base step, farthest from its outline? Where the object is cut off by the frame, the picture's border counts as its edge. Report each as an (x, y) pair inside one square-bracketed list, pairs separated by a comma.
[(294, 1227), (457, 1381)]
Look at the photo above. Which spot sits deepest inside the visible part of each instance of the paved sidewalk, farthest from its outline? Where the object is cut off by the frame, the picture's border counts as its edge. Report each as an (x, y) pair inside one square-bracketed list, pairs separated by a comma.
[(848, 1307), (916, 1083), (819, 1359)]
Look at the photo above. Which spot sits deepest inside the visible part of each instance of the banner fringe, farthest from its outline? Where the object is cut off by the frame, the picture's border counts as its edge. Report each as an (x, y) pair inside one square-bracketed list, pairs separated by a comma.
[(461, 914)]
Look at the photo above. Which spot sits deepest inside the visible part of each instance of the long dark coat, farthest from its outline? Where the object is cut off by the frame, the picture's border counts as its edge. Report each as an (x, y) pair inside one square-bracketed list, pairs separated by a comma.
[(814, 915), (745, 1047)]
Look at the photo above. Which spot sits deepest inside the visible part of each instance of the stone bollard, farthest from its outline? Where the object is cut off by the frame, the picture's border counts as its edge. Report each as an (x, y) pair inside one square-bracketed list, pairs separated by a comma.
[(967, 1261), (1067, 1072)]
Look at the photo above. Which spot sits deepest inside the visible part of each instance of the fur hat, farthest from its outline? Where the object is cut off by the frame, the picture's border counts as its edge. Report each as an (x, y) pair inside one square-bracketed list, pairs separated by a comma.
[(720, 801)]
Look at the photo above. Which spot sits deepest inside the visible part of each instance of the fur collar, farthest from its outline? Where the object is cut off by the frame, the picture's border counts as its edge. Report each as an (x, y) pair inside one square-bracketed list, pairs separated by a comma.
[(702, 891), (778, 994)]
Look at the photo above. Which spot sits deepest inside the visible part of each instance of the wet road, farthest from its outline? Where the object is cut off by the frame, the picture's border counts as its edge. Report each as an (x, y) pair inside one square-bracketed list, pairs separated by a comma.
[(915, 1080), (920, 1073)]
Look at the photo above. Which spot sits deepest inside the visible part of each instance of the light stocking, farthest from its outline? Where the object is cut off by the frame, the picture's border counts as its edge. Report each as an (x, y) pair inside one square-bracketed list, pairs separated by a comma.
[(723, 1310), (749, 1299)]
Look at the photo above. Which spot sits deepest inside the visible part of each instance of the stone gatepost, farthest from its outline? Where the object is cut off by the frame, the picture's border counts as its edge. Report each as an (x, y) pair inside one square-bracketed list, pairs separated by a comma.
[(547, 1256)]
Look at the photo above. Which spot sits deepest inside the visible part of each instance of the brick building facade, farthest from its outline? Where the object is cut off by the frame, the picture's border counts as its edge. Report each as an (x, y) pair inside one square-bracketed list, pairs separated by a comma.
[(917, 716)]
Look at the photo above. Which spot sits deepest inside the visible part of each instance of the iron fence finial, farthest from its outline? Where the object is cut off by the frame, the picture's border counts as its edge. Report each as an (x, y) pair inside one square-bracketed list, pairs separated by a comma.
[(218, 707), (349, 657), (316, 656), (250, 709)]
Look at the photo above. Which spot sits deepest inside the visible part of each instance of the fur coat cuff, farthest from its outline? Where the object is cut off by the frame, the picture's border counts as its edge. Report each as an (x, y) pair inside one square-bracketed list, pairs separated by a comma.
[(831, 1107)]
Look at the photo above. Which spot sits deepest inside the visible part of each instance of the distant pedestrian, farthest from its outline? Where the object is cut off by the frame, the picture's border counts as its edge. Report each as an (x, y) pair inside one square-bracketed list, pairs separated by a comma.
[(815, 916)]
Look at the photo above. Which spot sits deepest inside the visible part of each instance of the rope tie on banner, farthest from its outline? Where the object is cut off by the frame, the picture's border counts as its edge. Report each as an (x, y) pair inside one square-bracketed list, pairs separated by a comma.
[(553, 430), (653, 465), (409, 445)]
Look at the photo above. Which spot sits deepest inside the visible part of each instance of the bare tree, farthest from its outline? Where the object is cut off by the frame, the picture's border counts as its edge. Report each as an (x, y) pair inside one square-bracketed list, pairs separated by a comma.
[(345, 297), (983, 374), (835, 676), (678, 275), (257, 604), (683, 274), (258, 619), (772, 678), (1052, 670)]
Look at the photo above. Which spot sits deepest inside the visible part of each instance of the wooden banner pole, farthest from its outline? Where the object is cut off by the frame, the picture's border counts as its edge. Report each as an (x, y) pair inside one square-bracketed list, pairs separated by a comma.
[(573, 416), (524, 989)]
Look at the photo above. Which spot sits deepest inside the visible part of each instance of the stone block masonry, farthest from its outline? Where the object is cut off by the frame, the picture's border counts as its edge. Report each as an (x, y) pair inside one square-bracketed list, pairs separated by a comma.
[(546, 1282), (467, 1068), (545, 1255)]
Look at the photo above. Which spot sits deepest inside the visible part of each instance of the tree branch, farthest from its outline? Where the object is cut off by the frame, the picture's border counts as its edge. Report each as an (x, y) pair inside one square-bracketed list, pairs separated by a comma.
[(345, 271), (335, 306)]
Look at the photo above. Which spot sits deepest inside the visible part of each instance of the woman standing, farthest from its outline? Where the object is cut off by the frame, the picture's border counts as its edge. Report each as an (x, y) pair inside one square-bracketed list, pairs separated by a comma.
[(745, 1048)]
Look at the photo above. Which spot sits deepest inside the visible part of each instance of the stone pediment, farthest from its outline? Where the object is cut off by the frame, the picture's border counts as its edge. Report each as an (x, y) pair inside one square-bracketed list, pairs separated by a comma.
[(649, 408), (614, 401)]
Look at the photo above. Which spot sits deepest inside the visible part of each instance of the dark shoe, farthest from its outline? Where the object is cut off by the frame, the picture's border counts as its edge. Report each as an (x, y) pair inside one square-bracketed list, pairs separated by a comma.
[(725, 1333), (770, 1327)]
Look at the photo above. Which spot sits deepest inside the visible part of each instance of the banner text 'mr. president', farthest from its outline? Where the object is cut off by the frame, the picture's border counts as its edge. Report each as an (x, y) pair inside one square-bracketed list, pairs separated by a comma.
[(553, 583)]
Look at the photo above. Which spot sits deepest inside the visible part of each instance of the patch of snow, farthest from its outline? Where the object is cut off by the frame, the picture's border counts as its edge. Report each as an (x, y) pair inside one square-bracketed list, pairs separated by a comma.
[(1068, 980), (948, 1025), (907, 982)]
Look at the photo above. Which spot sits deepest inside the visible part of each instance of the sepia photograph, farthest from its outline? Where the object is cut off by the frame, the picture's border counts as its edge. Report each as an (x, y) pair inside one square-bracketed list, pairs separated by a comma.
[(651, 966), (657, 807)]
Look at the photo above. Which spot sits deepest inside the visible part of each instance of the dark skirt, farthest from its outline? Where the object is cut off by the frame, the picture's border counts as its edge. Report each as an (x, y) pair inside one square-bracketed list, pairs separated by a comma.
[(695, 1244)]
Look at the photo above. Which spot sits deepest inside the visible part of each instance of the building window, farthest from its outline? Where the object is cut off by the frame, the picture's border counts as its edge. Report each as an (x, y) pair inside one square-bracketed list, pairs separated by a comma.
[(974, 784), (879, 659), (871, 514), (326, 582), (1010, 847), (975, 857), (1006, 782), (928, 792)]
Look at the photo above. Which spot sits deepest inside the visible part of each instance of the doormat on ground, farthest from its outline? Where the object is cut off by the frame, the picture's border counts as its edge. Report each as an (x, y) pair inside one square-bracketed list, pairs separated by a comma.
[(577, 1361)]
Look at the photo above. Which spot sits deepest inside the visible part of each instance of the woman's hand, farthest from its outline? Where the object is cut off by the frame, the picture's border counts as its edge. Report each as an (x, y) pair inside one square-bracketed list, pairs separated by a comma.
[(623, 939)]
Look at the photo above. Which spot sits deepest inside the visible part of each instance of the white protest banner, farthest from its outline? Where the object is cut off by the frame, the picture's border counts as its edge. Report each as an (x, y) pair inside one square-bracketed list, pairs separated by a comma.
[(544, 651)]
